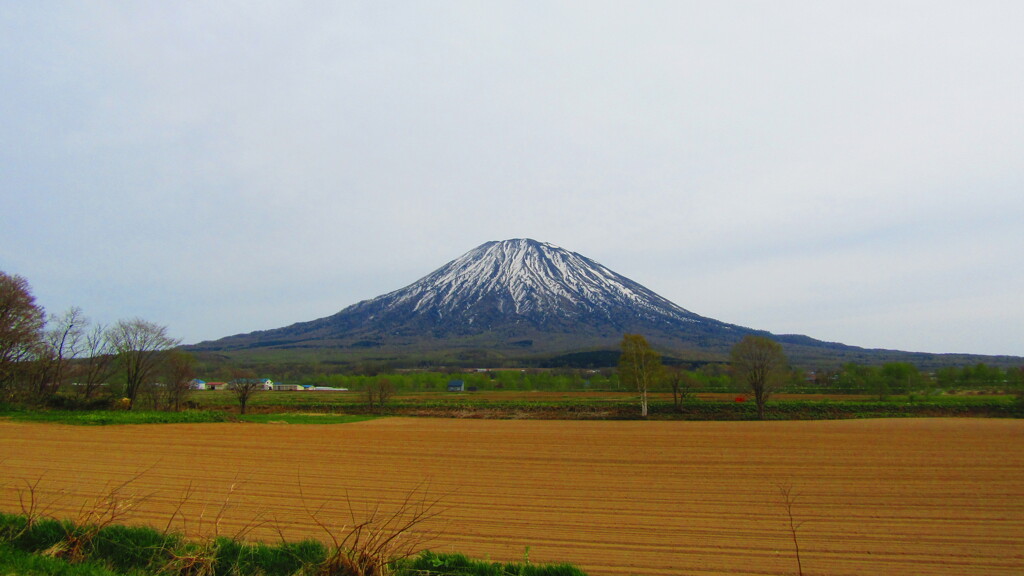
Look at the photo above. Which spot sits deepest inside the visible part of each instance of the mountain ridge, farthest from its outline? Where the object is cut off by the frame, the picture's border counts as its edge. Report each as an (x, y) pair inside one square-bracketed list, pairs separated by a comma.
[(522, 297), (518, 288)]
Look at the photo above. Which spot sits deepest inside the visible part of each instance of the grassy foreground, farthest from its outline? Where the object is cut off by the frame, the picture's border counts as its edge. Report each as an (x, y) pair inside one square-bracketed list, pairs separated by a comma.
[(47, 547)]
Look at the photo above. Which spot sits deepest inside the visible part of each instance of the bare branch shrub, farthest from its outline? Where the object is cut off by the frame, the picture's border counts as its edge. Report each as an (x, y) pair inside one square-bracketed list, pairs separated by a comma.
[(198, 557), (32, 506), (375, 540), (94, 516), (369, 542)]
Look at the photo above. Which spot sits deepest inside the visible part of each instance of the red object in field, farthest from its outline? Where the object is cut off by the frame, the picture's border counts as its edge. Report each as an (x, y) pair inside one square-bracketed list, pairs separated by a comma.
[(741, 398)]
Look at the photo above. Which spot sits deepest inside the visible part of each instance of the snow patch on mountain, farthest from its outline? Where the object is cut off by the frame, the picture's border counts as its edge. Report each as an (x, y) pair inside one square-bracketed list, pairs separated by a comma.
[(509, 295), (523, 277)]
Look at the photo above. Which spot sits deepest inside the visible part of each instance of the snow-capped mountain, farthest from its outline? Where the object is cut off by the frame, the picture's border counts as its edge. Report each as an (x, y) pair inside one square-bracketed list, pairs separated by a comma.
[(515, 294), (532, 282), (521, 297)]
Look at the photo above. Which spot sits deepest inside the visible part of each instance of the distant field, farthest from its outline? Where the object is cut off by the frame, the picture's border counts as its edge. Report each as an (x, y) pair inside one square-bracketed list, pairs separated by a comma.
[(267, 399), (613, 405), (905, 496)]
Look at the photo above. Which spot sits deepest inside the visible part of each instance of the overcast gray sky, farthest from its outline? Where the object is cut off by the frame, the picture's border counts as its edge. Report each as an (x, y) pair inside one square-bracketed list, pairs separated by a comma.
[(851, 171)]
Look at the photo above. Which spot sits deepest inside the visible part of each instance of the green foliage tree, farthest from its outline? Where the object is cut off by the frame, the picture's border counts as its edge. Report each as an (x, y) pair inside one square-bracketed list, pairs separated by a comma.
[(858, 378), (1015, 383), (899, 377), (978, 376), (639, 367), (759, 364), (981, 376), (947, 378)]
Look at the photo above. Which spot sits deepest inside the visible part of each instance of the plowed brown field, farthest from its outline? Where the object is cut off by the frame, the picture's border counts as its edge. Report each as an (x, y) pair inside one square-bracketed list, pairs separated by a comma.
[(928, 496)]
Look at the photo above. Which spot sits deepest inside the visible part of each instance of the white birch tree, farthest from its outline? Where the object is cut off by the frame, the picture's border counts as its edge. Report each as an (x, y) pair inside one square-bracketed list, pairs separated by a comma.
[(640, 367)]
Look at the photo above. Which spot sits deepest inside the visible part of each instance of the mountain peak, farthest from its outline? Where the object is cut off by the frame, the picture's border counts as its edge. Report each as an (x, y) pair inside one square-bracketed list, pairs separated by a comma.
[(505, 294), (530, 281)]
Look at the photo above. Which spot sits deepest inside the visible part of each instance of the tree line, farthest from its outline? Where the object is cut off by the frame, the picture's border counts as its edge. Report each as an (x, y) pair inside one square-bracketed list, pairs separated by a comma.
[(758, 366), (137, 362), (902, 378), (42, 353)]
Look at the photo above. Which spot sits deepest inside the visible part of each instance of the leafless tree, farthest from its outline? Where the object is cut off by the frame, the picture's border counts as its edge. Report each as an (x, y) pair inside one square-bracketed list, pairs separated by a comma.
[(245, 385), (683, 383), (97, 363), (378, 393), (179, 373), (151, 395), (759, 364), (21, 327), (36, 375), (140, 347), (61, 345)]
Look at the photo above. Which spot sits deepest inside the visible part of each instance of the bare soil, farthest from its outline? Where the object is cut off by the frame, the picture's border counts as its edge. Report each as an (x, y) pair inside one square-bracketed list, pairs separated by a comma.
[(909, 496)]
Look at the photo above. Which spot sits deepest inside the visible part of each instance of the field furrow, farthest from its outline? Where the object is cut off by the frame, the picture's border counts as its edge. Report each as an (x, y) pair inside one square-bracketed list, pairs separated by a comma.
[(922, 496)]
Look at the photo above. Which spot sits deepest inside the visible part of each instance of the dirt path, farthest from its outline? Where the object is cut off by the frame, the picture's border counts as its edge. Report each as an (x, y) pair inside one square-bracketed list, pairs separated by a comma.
[(928, 496)]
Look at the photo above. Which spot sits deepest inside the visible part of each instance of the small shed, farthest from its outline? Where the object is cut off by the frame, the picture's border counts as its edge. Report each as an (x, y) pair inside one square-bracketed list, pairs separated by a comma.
[(456, 386)]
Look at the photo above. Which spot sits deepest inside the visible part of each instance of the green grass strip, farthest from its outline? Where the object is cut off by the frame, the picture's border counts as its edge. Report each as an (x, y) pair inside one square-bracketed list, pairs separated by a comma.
[(21, 563), (304, 418), (109, 417)]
